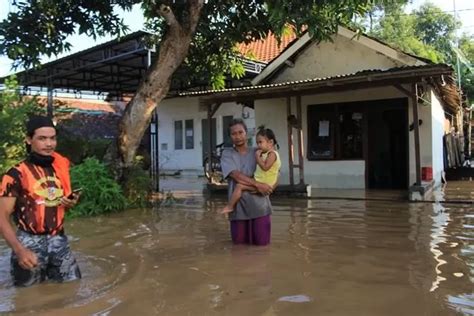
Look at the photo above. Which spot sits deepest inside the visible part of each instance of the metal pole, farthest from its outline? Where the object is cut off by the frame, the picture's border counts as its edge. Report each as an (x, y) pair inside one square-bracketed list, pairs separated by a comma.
[(458, 64), (49, 107)]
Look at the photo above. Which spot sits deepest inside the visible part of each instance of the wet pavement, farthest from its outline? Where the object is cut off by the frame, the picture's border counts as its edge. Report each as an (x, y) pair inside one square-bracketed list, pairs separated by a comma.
[(327, 257)]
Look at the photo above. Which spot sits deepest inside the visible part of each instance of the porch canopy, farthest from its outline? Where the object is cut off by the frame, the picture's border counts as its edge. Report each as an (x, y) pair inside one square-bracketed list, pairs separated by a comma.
[(439, 76), (116, 66)]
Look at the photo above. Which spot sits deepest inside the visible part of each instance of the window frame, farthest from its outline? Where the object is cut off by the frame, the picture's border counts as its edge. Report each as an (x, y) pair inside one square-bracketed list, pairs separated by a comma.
[(186, 132), (332, 111), (180, 138)]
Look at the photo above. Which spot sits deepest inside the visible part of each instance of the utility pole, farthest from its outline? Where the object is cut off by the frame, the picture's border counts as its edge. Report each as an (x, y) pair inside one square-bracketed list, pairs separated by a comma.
[(458, 63)]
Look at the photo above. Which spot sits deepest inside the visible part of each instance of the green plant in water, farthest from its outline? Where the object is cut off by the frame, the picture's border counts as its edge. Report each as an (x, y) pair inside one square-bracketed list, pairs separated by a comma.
[(168, 199), (138, 186), (101, 194)]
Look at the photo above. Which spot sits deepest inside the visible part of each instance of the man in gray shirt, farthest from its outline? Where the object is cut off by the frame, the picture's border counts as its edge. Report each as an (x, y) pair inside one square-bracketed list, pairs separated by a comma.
[(250, 221)]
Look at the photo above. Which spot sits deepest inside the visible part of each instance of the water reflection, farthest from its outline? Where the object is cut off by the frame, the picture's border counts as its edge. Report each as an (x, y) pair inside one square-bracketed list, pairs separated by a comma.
[(330, 257)]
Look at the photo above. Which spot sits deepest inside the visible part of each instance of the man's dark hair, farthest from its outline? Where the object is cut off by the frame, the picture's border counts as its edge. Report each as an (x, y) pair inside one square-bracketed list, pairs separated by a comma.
[(38, 121), (35, 122), (237, 121)]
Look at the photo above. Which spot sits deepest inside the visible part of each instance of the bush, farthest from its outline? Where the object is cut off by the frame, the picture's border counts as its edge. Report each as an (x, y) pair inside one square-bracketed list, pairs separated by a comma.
[(138, 185), (14, 112), (79, 148), (101, 194)]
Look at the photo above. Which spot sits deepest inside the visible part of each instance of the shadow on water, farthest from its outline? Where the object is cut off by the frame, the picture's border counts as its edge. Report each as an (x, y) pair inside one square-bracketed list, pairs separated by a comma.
[(327, 257)]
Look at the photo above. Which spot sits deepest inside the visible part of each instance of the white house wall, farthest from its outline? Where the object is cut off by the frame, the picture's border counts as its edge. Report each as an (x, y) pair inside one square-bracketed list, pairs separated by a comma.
[(431, 137), (438, 117), (320, 174), (342, 56), (174, 109)]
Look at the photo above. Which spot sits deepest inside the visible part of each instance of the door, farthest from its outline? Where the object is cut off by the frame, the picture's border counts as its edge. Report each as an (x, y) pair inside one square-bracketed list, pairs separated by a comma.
[(388, 145), (205, 136)]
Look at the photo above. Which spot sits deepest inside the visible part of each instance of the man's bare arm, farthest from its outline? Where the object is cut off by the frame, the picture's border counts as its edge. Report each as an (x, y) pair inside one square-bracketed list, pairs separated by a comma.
[(26, 258)]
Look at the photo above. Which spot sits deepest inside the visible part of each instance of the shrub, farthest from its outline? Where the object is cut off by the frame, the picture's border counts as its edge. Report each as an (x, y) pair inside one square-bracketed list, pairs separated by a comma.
[(78, 148), (138, 185), (14, 112), (101, 194)]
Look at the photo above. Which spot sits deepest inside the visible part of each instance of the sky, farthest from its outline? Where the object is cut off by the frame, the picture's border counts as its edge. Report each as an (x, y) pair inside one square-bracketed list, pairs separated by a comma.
[(464, 8)]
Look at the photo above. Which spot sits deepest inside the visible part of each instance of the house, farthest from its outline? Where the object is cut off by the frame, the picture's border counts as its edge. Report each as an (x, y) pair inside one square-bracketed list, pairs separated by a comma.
[(183, 131), (350, 113)]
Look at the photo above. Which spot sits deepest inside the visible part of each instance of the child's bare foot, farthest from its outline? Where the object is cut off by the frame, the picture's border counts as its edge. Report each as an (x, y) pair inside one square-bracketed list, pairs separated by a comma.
[(226, 210)]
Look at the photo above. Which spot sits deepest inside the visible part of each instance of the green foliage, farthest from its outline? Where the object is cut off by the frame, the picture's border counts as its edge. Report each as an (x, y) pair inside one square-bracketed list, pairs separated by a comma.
[(78, 148), (222, 24), (435, 28), (399, 29), (427, 32), (101, 194), (38, 28), (138, 186), (466, 45), (14, 112)]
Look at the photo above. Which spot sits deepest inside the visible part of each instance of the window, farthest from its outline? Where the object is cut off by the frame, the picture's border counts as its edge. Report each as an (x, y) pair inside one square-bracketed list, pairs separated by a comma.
[(189, 134), (335, 132), (184, 134), (178, 135), (350, 127), (321, 132)]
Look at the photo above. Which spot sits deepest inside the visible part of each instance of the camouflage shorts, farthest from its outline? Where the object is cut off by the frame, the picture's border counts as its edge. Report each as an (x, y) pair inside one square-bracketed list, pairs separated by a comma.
[(55, 260)]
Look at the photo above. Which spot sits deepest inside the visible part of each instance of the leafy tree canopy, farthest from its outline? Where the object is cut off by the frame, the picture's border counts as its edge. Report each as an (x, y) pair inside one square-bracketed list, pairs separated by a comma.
[(41, 28), (426, 32)]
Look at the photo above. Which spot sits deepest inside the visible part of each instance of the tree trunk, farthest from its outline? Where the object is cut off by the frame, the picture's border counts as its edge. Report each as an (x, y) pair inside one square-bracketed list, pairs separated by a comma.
[(172, 51)]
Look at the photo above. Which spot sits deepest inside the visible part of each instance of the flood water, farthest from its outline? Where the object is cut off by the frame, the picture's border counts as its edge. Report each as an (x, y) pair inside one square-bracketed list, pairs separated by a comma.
[(327, 257)]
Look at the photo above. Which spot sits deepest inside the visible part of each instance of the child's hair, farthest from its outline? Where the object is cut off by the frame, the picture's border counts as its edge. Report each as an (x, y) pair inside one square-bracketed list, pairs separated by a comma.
[(268, 133)]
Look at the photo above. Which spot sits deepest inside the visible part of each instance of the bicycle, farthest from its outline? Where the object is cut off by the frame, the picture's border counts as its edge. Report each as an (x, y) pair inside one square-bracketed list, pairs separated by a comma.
[(213, 170)]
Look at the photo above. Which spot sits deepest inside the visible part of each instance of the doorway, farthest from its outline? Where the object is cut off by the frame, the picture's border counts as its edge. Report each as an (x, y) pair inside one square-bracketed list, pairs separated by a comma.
[(387, 161), (205, 136)]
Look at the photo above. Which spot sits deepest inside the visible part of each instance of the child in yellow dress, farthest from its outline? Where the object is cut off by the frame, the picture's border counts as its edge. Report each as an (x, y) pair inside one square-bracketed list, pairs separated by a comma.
[(267, 169)]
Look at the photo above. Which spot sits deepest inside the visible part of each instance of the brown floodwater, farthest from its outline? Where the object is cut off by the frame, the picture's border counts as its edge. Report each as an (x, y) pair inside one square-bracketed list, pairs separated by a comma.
[(327, 257)]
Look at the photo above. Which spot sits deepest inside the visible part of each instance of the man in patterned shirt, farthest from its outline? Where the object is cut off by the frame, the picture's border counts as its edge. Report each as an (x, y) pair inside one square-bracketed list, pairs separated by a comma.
[(37, 192)]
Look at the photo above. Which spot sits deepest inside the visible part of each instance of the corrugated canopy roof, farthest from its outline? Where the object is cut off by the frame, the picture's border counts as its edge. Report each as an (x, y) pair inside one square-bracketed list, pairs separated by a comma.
[(439, 76), (118, 66)]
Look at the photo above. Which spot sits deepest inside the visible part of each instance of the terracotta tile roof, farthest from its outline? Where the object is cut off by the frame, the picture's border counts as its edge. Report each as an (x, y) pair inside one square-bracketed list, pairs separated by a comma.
[(267, 49)]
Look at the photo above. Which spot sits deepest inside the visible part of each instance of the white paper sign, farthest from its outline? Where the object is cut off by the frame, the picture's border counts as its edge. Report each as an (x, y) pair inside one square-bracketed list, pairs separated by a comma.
[(189, 132), (323, 128)]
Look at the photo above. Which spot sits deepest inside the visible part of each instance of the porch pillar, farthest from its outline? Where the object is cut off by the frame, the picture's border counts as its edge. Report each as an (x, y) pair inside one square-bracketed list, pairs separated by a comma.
[(416, 126), (211, 110), (209, 133), (300, 139), (413, 95), (290, 141)]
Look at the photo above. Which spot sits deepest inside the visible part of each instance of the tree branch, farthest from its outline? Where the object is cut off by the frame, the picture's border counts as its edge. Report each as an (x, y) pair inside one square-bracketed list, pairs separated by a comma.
[(195, 7), (166, 12)]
